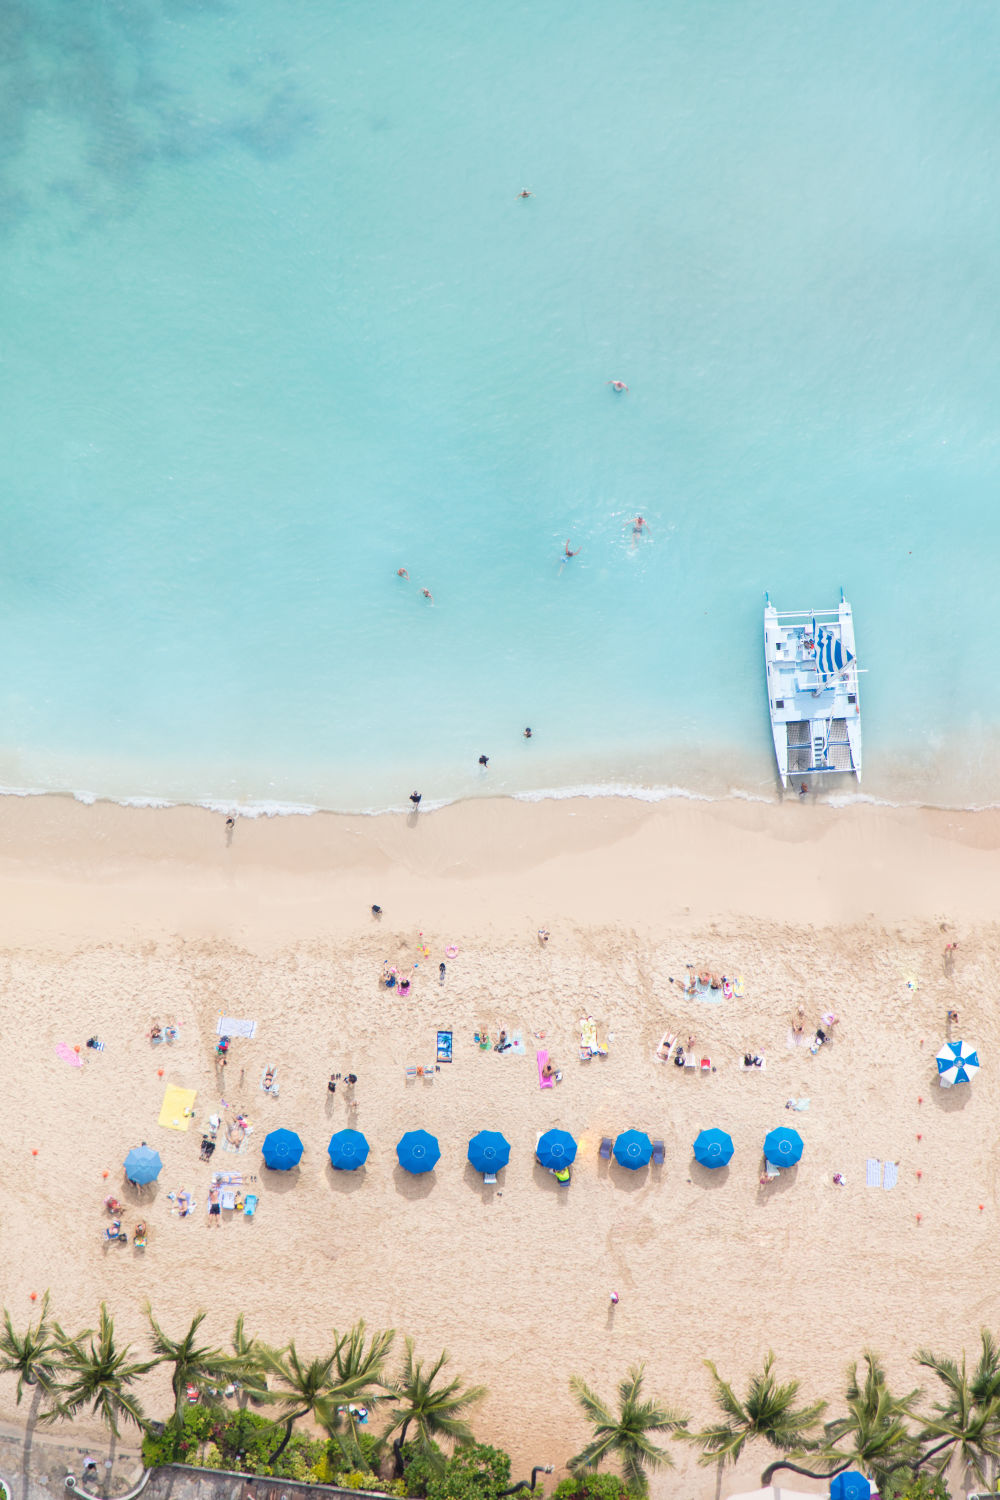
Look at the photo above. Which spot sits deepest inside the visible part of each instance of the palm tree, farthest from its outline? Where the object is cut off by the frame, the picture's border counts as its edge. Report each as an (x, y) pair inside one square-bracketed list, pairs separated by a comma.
[(33, 1356), (967, 1421), (768, 1411), (433, 1411), (359, 1371), (874, 1435), (252, 1378), (625, 1434), (196, 1365), (100, 1376)]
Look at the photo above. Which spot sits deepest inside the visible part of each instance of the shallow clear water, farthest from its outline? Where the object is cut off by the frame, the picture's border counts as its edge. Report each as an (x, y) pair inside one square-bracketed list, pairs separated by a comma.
[(275, 323)]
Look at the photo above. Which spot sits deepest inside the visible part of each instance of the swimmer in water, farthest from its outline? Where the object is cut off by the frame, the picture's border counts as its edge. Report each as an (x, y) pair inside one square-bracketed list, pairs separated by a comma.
[(484, 760), (618, 385), (525, 194), (427, 594), (527, 734), (639, 525), (569, 550), (402, 573)]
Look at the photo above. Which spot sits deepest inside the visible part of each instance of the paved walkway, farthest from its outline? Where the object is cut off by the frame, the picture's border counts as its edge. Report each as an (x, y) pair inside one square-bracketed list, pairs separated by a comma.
[(34, 1464)]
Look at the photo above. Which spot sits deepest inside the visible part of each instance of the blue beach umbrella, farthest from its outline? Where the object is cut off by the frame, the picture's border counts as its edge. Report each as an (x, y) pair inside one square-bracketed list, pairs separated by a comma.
[(489, 1151), (282, 1150), (347, 1150), (713, 1148), (783, 1147), (633, 1148), (418, 1151), (143, 1165), (556, 1148), (850, 1486), (956, 1063)]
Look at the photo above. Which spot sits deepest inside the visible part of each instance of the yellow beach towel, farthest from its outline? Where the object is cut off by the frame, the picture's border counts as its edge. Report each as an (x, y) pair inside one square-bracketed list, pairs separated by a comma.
[(178, 1107)]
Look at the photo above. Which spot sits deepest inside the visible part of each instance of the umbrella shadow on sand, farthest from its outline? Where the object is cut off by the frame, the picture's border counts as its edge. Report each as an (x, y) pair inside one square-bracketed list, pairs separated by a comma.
[(487, 1190), (950, 1099), (544, 1179), (278, 1181), (783, 1183), (709, 1177), (410, 1186), (345, 1182)]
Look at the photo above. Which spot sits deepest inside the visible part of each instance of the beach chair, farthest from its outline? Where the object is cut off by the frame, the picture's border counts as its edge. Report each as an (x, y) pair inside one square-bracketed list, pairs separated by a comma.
[(227, 1197), (411, 1074), (250, 1205), (706, 1065), (489, 1178), (429, 1070), (605, 1148), (666, 1047), (770, 1170), (690, 1061), (658, 1153)]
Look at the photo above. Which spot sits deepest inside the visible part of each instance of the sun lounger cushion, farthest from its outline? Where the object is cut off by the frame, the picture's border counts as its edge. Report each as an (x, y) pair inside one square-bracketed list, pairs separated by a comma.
[(658, 1153), (605, 1148)]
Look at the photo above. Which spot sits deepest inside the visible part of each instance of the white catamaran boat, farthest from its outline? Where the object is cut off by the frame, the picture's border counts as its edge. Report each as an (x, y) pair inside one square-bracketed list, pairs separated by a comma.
[(812, 690)]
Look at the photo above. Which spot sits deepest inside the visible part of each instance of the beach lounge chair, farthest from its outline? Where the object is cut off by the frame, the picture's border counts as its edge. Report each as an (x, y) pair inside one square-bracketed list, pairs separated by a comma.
[(690, 1061), (770, 1170), (227, 1197), (489, 1178), (411, 1073), (658, 1153), (429, 1070), (706, 1065), (250, 1205), (605, 1148)]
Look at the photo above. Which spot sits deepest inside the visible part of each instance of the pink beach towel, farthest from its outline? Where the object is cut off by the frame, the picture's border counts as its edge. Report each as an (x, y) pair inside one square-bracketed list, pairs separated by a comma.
[(65, 1051), (543, 1082)]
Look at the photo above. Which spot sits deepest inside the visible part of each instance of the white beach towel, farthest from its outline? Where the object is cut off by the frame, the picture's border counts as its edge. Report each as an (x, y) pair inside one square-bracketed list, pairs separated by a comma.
[(232, 1026), (891, 1174), (873, 1172)]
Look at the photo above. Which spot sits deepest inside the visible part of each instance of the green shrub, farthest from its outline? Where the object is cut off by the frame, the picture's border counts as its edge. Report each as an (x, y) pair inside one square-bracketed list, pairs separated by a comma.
[(902, 1485), (477, 1472), (592, 1486)]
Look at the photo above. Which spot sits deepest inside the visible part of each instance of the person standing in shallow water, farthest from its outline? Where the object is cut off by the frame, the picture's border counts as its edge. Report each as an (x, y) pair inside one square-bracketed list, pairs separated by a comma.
[(484, 760), (415, 798)]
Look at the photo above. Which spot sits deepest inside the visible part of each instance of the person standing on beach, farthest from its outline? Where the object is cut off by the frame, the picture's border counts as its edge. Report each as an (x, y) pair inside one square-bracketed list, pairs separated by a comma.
[(415, 798)]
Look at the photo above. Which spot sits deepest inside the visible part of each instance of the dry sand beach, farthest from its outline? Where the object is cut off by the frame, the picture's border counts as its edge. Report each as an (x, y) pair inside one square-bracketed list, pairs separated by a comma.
[(114, 917)]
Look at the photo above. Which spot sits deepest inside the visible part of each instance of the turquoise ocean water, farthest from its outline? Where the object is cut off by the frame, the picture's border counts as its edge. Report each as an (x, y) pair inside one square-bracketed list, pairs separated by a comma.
[(275, 323)]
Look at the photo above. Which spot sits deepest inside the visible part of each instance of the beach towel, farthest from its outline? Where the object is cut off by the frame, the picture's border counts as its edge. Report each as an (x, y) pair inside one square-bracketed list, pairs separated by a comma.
[(236, 1147), (873, 1172), (517, 1044), (444, 1041), (65, 1051), (543, 1082), (800, 1040), (232, 1026), (797, 1104), (891, 1175), (738, 987), (706, 994), (177, 1108)]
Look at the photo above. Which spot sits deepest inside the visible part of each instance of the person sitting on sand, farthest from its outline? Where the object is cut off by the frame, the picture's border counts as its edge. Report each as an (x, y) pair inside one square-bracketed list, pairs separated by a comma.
[(550, 1071), (156, 1033), (679, 1057), (543, 934), (112, 1205), (114, 1229), (502, 1043), (404, 987)]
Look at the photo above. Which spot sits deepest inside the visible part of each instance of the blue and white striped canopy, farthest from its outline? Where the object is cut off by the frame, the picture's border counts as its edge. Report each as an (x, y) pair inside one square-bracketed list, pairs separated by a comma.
[(957, 1062), (832, 656)]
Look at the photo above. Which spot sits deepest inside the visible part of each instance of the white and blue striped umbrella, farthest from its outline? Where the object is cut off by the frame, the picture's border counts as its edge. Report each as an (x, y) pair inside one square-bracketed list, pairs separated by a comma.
[(957, 1062)]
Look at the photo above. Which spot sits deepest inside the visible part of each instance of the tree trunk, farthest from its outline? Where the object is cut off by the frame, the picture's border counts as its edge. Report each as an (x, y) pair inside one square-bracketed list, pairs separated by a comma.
[(282, 1445), (785, 1463), (397, 1449)]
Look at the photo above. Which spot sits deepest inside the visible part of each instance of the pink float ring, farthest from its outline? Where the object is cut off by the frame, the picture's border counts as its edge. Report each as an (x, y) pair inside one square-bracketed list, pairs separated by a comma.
[(451, 951)]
